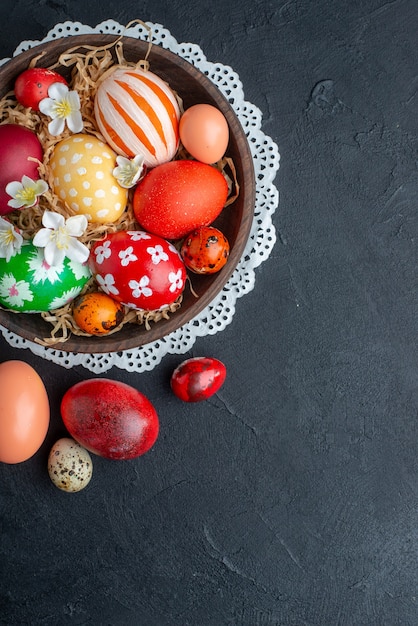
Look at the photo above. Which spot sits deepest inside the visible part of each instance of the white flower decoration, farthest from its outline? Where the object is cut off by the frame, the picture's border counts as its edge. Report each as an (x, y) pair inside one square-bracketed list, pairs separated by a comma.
[(58, 238), (176, 280), (138, 235), (25, 193), (140, 288), (103, 252), (157, 254), (62, 106), (16, 293), (107, 283), (129, 171), (127, 256), (65, 298), (10, 240), (41, 271)]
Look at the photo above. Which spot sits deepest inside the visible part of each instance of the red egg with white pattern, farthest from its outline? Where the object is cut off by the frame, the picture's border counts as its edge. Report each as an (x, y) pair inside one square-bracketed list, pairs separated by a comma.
[(20, 154), (138, 269), (138, 114)]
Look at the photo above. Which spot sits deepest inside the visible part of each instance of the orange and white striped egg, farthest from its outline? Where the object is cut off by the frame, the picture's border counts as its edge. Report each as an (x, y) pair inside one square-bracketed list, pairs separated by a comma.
[(138, 114), (82, 168)]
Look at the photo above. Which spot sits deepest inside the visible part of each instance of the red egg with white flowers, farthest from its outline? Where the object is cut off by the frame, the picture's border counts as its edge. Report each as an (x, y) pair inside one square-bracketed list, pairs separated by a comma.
[(138, 269), (20, 154)]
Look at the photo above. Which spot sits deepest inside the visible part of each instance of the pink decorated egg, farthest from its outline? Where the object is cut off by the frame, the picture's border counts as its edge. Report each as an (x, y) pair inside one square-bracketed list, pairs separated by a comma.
[(138, 114), (143, 271), (20, 151)]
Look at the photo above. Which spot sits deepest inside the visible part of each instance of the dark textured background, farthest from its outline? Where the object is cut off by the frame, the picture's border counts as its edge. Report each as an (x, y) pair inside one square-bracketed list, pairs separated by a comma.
[(290, 498)]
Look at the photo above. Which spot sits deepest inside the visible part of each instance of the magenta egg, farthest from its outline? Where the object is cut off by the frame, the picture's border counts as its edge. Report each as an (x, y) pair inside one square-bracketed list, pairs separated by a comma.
[(143, 271), (18, 147)]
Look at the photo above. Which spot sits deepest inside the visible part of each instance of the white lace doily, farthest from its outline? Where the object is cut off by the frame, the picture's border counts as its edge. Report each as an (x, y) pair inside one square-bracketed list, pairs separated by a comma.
[(219, 313)]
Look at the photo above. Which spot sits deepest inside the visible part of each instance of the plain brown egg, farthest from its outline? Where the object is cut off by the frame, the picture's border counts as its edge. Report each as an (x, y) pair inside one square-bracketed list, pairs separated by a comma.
[(24, 411)]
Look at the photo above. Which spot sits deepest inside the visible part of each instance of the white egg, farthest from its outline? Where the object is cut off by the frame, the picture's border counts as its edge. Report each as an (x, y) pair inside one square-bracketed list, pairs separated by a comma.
[(69, 465)]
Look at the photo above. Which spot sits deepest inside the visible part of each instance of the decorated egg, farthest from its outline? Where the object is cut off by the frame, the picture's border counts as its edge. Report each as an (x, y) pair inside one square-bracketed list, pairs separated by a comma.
[(204, 132), (141, 270), (96, 313), (28, 284), (198, 378), (31, 86), (138, 114), (175, 198), (20, 151), (110, 418), (82, 167), (205, 250)]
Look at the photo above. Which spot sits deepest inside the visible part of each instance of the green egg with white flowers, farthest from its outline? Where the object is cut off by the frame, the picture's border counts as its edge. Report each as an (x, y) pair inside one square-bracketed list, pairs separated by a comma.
[(29, 285)]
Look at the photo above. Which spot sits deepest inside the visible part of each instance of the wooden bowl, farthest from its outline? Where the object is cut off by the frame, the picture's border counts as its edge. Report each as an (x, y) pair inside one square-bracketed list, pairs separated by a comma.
[(235, 220)]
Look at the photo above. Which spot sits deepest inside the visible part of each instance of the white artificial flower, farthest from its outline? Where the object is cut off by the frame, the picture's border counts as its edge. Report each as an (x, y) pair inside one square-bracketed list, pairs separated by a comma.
[(10, 240), (128, 171), (62, 105), (58, 238), (26, 193)]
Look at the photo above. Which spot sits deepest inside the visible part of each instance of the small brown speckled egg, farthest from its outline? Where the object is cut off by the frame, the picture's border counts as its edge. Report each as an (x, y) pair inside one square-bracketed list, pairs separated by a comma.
[(69, 465)]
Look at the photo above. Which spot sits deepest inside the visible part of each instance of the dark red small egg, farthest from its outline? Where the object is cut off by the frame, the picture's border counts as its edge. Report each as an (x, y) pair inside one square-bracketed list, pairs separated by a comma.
[(198, 378), (31, 86), (205, 250)]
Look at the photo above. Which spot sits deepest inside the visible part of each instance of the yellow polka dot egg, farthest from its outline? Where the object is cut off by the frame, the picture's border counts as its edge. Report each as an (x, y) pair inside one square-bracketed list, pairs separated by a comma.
[(82, 168)]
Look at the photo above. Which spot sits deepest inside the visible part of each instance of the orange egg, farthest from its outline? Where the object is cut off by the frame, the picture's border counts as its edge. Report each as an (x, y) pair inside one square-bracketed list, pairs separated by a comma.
[(24, 411), (204, 132), (96, 313)]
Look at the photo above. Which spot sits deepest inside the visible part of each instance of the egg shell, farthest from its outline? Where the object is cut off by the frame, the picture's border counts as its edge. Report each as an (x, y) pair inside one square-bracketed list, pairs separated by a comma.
[(31, 86), (28, 284), (82, 168), (17, 146), (205, 250), (24, 411), (204, 132), (175, 198), (110, 418), (140, 270), (70, 467), (198, 378), (138, 114), (96, 313)]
